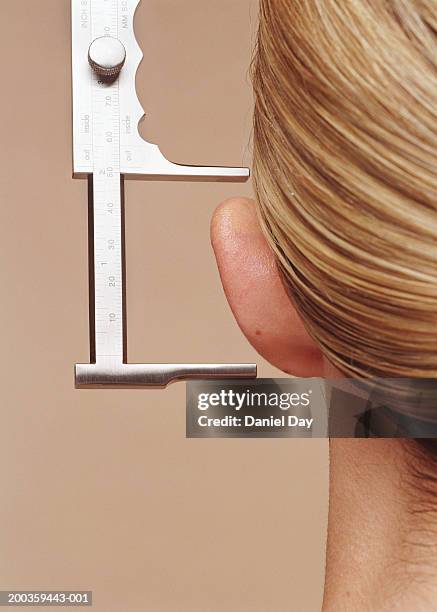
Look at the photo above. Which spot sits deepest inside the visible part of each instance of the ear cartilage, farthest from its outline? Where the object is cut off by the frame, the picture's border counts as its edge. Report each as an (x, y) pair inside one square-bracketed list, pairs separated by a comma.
[(107, 150)]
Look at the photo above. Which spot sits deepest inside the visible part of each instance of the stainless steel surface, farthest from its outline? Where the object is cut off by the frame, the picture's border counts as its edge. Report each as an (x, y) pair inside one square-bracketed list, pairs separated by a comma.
[(107, 213), (106, 56), (156, 375), (107, 145), (138, 158)]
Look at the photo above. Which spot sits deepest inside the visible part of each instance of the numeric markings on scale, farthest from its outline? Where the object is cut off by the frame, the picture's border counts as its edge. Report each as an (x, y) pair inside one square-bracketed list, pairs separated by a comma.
[(105, 128), (108, 172)]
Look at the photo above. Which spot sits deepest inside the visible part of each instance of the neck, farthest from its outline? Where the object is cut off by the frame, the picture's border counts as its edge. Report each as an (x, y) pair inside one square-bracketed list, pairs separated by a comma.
[(382, 530)]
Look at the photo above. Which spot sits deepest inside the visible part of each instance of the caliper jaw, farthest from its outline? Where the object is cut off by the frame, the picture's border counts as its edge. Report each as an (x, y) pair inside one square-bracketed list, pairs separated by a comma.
[(155, 375)]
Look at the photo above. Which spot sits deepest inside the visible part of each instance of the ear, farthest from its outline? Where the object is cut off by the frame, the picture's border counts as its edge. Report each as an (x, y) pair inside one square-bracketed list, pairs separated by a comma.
[(255, 292)]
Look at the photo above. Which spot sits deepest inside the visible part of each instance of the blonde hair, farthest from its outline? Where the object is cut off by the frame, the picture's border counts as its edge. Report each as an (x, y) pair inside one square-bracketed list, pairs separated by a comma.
[(345, 171)]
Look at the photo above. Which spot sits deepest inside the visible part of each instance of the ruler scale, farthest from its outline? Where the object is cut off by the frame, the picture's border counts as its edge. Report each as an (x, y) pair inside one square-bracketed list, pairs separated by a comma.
[(107, 213), (108, 147)]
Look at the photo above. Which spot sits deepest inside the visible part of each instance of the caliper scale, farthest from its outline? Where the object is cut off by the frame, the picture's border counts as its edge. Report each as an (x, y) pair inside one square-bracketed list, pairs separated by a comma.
[(107, 148)]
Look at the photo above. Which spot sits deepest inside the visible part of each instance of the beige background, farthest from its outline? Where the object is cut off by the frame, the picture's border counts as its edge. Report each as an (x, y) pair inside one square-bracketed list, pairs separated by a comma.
[(100, 489)]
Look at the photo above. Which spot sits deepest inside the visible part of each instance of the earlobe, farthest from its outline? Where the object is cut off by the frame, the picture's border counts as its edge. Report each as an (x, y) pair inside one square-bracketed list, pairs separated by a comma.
[(255, 292)]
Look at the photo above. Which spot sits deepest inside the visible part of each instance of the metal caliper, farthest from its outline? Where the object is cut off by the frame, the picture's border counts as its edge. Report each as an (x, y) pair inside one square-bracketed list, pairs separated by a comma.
[(107, 148)]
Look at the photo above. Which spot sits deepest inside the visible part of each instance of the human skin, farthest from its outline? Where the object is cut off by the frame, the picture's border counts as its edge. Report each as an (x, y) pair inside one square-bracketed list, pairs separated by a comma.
[(381, 551)]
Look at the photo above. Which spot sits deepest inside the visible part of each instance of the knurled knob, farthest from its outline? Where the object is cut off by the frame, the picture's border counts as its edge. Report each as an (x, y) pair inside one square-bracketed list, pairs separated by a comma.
[(106, 56)]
